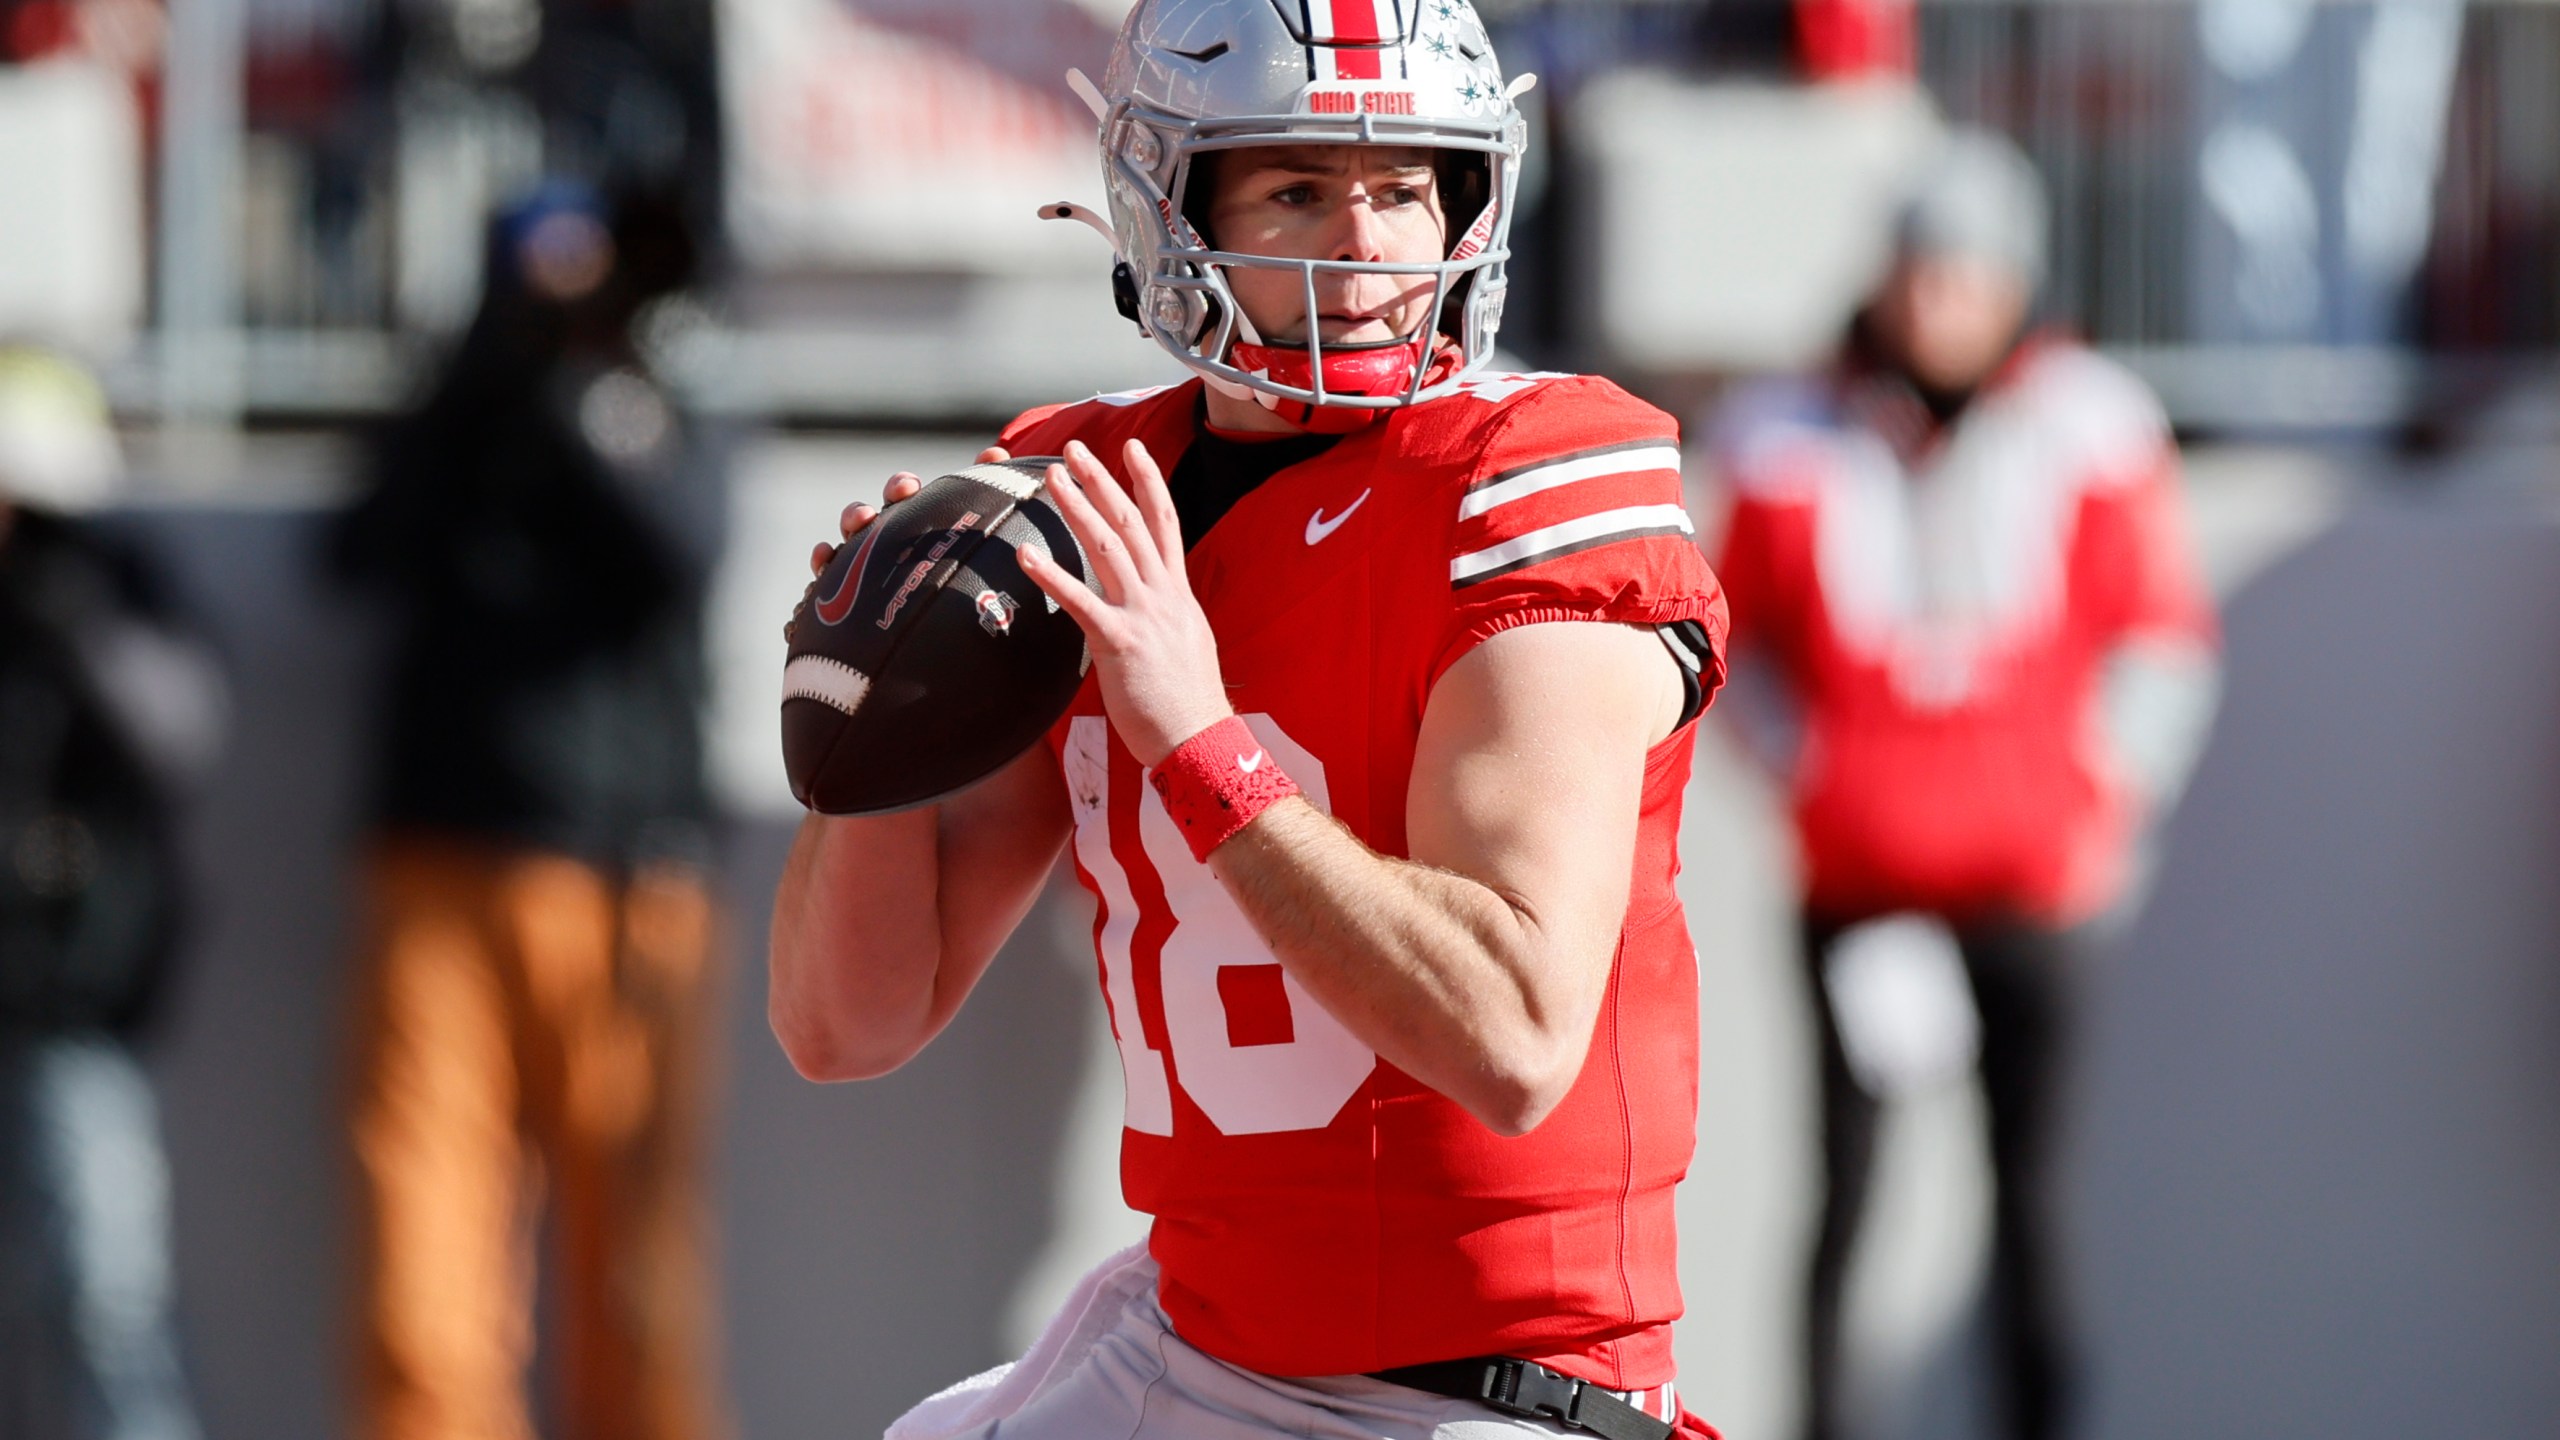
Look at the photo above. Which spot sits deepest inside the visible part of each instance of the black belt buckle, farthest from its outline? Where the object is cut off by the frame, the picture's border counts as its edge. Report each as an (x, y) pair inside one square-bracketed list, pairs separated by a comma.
[(1527, 1390), (1520, 1388)]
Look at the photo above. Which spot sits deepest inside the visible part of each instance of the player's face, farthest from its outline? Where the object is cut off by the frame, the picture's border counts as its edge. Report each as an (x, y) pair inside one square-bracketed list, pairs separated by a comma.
[(1952, 320), (1378, 203)]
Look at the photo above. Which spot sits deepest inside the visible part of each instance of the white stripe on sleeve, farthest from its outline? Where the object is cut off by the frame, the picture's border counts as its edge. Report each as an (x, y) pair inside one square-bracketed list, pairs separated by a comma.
[(1566, 472), (1570, 535)]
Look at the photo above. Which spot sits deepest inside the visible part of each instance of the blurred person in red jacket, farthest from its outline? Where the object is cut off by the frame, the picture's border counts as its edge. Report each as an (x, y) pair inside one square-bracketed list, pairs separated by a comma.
[(1971, 640)]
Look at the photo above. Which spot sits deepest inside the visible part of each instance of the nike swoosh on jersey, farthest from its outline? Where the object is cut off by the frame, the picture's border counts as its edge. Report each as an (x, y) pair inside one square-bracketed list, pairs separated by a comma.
[(1319, 527)]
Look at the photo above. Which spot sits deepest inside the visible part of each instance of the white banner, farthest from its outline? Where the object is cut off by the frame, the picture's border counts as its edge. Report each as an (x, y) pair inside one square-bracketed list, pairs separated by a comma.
[(876, 137), (70, 204)]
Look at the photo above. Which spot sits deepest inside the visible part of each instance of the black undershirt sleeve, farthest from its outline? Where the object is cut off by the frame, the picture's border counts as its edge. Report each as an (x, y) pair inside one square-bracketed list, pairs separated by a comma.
[(1687, 640)]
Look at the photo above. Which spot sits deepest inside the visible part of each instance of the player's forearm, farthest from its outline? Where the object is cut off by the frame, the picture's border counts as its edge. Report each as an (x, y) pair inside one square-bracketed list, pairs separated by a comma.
[(884, 923), (1458, 986), (856, 945)]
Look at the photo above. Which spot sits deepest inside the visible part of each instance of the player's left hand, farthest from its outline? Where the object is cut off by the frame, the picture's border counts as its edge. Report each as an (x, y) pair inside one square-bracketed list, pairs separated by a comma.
[(1151, 641)]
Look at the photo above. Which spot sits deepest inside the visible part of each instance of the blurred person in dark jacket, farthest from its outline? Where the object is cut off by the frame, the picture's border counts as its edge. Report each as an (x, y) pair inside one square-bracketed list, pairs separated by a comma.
[(1971, 641), (539, 930), (106, 708)]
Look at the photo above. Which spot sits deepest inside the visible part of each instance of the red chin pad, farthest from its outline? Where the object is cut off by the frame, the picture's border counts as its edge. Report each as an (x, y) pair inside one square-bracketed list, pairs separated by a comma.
[(1376, 372)]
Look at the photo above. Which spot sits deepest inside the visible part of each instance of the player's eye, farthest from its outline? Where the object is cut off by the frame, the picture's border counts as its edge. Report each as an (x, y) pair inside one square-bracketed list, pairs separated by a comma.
[(1300, 193)]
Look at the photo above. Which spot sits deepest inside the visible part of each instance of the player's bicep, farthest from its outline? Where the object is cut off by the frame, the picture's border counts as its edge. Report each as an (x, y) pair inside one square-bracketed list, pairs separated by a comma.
[(1529, 774)]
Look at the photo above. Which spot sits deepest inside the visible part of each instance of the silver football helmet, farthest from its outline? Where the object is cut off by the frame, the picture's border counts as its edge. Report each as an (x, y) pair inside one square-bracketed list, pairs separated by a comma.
[(1188, 77)]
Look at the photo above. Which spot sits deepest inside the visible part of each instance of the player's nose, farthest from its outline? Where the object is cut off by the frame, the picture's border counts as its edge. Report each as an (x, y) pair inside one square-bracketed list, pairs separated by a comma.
[(1361, 234)]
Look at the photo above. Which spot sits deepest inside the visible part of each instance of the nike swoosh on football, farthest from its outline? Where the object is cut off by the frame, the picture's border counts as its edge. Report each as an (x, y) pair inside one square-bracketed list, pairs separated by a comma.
[(833, 608), (1249, 763), (1319, 527)]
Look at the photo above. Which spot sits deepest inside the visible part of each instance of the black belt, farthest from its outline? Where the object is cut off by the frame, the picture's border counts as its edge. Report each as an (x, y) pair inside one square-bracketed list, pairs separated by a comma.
[(1532, 1392)]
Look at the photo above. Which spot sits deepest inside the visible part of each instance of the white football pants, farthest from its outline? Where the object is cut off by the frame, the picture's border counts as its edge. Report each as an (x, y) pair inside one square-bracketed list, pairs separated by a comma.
[(1109, 1367)]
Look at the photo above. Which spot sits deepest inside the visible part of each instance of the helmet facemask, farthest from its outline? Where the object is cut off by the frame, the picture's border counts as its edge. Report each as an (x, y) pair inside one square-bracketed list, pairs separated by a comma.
[(1190, 79), (1188, 306)]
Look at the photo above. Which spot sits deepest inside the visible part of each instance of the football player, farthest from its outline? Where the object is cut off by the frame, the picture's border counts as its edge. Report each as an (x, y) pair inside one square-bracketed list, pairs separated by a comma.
[(1376, 783)]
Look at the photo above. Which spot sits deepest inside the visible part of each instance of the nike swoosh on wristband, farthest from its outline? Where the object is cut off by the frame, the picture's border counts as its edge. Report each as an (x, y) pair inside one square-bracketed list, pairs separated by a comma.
[(1319, 527), (1250, 763)]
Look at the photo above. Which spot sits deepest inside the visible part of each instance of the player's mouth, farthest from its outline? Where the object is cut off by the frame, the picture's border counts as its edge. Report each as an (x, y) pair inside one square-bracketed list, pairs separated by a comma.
[(1355, 327)]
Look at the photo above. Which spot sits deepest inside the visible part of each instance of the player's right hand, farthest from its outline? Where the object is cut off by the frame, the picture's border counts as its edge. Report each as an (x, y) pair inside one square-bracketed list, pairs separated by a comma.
[(902, 486)]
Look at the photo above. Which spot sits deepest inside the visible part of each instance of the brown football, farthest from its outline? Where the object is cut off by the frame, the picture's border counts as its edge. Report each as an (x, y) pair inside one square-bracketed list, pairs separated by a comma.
[(923, 660)]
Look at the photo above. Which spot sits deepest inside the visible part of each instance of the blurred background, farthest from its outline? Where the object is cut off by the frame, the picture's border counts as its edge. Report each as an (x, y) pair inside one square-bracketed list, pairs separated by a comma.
[(2314, 1137)]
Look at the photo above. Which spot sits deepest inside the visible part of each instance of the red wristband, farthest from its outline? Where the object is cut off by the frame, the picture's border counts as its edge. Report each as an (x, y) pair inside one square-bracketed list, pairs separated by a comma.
[(1214, 783)]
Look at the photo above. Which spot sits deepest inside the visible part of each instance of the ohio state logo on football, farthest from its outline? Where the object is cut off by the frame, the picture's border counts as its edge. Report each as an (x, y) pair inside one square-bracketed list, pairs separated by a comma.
[(995, 612)]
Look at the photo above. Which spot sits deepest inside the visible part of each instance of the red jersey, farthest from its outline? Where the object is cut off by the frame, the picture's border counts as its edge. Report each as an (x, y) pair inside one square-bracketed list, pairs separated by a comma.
[(1942, 608), (1317, 1211)]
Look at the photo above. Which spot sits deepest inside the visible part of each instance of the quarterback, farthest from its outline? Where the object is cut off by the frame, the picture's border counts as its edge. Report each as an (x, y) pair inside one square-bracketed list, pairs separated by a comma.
[(1375, 782)]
